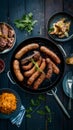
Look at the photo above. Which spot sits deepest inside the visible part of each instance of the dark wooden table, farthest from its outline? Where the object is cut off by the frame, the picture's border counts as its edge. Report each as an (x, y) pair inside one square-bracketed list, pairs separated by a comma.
[(42, 10)]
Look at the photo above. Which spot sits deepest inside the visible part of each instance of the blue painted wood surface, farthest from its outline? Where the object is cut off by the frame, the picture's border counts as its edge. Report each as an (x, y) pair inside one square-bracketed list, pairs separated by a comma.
[(42, 10)]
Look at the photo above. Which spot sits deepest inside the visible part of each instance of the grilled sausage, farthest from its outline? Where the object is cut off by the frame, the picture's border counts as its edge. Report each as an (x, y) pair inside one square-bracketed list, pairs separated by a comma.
[(50, 53), (25, 49), (39, 81), (32, 70), (55, 68), (17, 71), (27, 67), (37, 73), (35, 56), (50, 69)]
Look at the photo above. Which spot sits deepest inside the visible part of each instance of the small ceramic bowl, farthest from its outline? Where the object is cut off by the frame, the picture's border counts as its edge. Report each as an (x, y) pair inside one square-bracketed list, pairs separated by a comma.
[(65, 85), (14, 113), (2, 65), (56, 17), (10, 48)]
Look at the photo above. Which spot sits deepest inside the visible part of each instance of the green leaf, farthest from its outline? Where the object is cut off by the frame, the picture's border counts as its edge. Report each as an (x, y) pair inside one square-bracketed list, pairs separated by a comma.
[(28, 110), (41, 97), (41, 112), (36, 65), (32, 102), (26, 22), (49, 119), (50, 30), (47, 109), (28, 115)]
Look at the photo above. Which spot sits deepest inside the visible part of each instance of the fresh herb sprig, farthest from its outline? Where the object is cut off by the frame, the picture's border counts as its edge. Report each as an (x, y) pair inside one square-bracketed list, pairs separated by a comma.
[(26, 22), (36, 66), (34, 107)]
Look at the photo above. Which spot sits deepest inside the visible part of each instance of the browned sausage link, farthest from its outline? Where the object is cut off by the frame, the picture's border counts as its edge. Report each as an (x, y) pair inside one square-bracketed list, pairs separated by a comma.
[(17, 71), (39, 81), (50, 53), (32, 70), (27, 67), (50, 69), (35, 56), (55, 68), (37, 73), (25, 49)]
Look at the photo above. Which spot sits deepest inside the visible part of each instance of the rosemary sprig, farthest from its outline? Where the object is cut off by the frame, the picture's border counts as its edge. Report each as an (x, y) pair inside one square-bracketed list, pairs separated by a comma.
[(36, 66)]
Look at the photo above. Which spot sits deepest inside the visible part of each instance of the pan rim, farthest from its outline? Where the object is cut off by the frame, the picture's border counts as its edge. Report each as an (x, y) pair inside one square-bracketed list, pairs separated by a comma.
[(51, 86)]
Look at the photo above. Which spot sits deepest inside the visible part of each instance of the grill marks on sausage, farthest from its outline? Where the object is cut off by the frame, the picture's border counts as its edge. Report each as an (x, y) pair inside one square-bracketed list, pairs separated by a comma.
[(34, 77)]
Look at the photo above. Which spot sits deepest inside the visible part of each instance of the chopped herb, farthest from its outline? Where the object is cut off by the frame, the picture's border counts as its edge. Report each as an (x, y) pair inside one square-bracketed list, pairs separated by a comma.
[(49, 119), (50, 30), (47, 109), (29, 110), (26, 22), (41, 112), (32, 102), (28, 115), (37, 102), (41, 97)]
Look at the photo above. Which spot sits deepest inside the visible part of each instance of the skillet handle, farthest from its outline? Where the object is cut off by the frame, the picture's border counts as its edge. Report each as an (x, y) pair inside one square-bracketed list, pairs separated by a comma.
[(62, 50), (8, 75), (60, 104)]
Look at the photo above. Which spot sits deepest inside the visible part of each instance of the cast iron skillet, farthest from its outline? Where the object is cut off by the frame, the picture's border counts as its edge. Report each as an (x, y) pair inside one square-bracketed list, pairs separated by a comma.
[(47, 84), (57, 17)]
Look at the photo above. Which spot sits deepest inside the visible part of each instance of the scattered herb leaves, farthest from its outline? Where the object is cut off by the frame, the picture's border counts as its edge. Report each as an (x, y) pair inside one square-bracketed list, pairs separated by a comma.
[(26, 22), (34, 107), (41, 112), (29, 110)]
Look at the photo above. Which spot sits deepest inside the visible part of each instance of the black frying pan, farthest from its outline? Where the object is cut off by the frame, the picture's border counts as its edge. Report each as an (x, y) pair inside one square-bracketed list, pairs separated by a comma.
[(47, 84)]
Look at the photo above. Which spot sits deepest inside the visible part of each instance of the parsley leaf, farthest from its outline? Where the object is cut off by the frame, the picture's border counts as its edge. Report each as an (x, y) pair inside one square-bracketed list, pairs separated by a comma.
[(26, 22)]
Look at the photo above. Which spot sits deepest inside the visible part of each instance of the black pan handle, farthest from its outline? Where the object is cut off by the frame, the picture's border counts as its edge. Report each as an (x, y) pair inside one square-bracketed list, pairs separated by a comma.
[(61, 48), (8, 75)]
